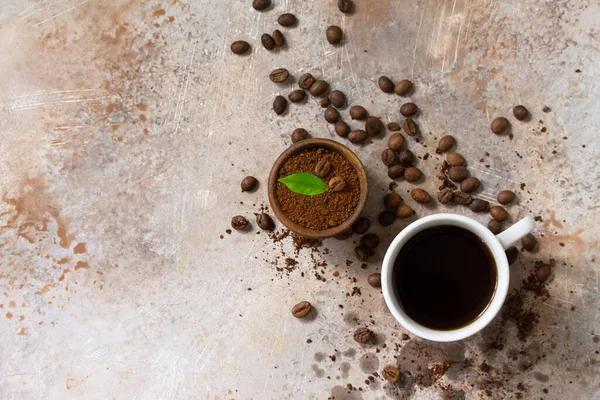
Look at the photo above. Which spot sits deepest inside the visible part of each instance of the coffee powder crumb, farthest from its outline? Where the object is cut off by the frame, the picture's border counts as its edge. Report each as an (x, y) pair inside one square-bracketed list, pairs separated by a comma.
[(228, 231)]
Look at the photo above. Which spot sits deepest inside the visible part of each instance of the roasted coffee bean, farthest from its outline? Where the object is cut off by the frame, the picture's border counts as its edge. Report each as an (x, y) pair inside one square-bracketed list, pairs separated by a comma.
[(249, 183), (279, 75), (470, 184), (479, 205), (520, 112), (412, 174), (529, 242), (357, 136), (334, 34), (363, 335), (361, 225), (299, 134), (264, 221), (385, 84), (319, 88), (337, 184), (342, 129), (287, 19), (455, 159), (323, 168), (306, 81), (409, 109), (499, 125), (499, 213), (362, 253), (462, 198), (445, 196), (240, 47), (331, 115), (406, 157), (511, 255), (239, 223), (386, 218), (344, 234), (403, 87), (338, 98), (395, 142), (267, 41), (396, 171), (358, 112), (260, 5), (325, 102), (410, 127), (445, 144), (388, 157), (278, 38), (345, 5), (297, 95), (374, 279), (301, 309), (404, 211), (506, 197), (392, 201), (391, 374), (458, 174), (393, 126), (370, 241), (543, 272), (494, 226), (420, 196), (374, 126), (279, 105)]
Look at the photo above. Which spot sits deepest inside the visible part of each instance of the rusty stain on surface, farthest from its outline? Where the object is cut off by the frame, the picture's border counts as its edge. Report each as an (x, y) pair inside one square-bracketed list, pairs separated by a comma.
[(79, 248), (9, 315), (81, 265)]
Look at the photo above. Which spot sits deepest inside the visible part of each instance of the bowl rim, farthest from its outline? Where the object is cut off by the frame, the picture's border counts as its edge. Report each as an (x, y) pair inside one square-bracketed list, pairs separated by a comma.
[(330, 145)]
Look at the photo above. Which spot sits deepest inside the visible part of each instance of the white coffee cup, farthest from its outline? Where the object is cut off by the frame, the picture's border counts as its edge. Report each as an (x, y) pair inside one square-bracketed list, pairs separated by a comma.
[(497, 244)]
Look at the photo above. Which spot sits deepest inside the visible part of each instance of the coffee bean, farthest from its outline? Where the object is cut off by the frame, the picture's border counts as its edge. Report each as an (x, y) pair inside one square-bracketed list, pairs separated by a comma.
[(239, 223), (297, 95), (325, 102), (409, 109), (361, 225), (338, 98), (362, 253), (374, 126), (546, 109), (391, 374), (337, 184), (301, 309), (511, 255), (374, 280), (445, 144), (264, 221), (462, 198), (520, 112), (267, 41), (404, 211), (388, 157), (392, 201), (455, 159), (385, 84), (279, 75), (543, 272), (306, 81), (406, 157), (345, 5), (410, 127), (393, 126), (279, 105), (499, 125), (499, 213), (370, 241), (322, 168), (458, 174), (287, 19), (529, 242), (357, 136), (331, 115), (299, 134), (358, 112), (261, 5), (445, 196), (363, 335), (395, 142), (479, 205), (494, 226), (342, 129), (506, 197), (334, 34), (412, 174), (278, 38), (240, 47), (249, 183), (386, 218), (470, 184), (403, 87), (396, 171), (319, 88), (420, 196), (344, 234)]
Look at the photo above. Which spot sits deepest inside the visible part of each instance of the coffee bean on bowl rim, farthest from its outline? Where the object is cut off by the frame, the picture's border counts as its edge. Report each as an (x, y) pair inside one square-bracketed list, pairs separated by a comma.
[(299, 134)]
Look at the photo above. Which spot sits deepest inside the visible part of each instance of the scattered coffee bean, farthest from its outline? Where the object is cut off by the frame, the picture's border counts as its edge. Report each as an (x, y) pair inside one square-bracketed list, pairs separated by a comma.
[(520, 112), (404, 211), (278, 38), (479, 205), (388, 157), (506, 197), (410, 127), (455, 159), (499, 125), (344, 234), (239, 223), (318, 88), (342, 129), (543, 272), (403, 87), (511, 255), (264, 221), (374, 126), (362, 253), (406, 158), (395, 142), (325, 102), (306, 81), (385, 84), (462, 198), (240, 47), (358, 112), (420, 196), (322, 168), (470, 184), (260, 5), (301, 309), (331, 115), (345, 5), (494, 226), (299, 134), (279, 105), (445, 144), (412, 174), (297, 95), (458, 174), (249, 183), (287, 19), (386, 218), (396, 171), (529, 242), (363, 335), (337, 184), (374, 280), (499, 213), (334, 34), (361, 226), (445, 196), (370, 241), (338, 98), (409, 109), (391, 374), (267, 41), (357, 136), (279, 75), (393, 126), (392, 201)]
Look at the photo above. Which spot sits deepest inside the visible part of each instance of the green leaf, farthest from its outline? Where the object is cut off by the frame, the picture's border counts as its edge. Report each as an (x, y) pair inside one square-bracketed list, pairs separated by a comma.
[(304, 183)]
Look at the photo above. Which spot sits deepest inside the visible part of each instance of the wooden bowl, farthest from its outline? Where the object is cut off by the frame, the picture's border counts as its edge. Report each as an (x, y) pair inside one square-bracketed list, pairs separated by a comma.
[(330, 145)]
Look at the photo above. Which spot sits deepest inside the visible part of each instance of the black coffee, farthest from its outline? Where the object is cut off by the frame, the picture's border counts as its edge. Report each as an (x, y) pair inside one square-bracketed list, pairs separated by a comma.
[(444, 277)]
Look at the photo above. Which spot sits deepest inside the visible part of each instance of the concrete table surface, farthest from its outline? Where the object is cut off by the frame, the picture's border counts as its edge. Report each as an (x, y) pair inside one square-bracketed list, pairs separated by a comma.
[(126, 127)]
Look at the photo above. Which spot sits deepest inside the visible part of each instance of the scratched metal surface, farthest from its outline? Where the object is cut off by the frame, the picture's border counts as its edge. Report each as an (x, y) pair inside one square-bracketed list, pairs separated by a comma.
[(127, 126)]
